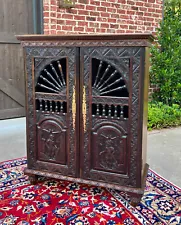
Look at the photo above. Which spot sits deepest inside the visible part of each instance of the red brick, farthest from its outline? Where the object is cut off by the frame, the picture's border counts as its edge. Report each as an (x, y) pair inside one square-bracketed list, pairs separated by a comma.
[(94, 13), (83, 12), (70, 22), (143, 9), (53, 26), (105, 4), (77, 17), (80, 6), (113, 16), (91, 24), (151, 10), (53, 31), (73, 11), (111, 10), (121, 11), (67, 27), (90, 29), (46, 14), (93, 2), (139, 3), (102, 19), (115, 26), (90, 18), (101, 9), (131, 2), (82, 23), (62, 22), (105, 14), (120, 31), (67, 16), (132, 27), (91, 7), (46, 27), (46, 8), (123, 26), (152, 1), (53, 21), (100, 30), (46, 20), (111, 20), (105, 25), (78, 28), (52, 14)]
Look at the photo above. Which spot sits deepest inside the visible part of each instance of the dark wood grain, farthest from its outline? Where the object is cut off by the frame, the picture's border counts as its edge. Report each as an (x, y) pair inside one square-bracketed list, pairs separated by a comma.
[(98, 136), (86, 37)]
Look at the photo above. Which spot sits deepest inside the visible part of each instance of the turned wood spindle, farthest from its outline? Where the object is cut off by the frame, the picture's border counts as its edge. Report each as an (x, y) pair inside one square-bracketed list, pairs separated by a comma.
[(109, 111), (56, 107), (51, 106), (46, 105), (41, 105), (61, 107), (104, 110), (97, 111), (115, 111), (121, 112)]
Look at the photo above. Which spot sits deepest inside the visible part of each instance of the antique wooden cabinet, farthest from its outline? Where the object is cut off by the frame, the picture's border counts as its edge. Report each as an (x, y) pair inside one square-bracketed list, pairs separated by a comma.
[(86, 105)]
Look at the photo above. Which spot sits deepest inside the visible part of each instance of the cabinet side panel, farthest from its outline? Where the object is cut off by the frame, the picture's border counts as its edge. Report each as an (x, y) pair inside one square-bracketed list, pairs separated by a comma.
[(145, 106)]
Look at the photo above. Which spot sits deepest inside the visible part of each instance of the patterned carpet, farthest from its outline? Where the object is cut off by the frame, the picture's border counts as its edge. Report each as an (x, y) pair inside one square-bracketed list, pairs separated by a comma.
[(59, 202)]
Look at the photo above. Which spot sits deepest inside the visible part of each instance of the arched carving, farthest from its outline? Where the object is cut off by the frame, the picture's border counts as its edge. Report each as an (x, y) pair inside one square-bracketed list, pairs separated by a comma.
[(51, 141), (109, 148)]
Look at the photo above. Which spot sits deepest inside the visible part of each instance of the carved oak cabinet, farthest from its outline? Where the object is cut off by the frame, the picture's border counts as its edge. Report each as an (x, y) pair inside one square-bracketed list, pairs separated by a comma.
[(86, 107)]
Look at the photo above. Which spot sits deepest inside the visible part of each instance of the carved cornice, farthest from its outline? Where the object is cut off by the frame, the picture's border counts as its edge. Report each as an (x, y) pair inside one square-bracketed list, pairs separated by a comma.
[(69, 43)]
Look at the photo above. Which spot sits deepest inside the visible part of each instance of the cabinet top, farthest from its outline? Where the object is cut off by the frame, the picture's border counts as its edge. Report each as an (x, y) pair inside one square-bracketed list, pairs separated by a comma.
[(87, 39)]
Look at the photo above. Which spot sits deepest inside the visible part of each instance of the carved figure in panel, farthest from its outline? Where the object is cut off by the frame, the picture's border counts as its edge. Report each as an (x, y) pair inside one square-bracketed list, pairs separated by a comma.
[(52, 142), (110, 149)]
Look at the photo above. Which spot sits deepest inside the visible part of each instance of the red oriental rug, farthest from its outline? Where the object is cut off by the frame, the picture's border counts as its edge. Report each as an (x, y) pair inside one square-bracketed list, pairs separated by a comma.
[(55, 202)]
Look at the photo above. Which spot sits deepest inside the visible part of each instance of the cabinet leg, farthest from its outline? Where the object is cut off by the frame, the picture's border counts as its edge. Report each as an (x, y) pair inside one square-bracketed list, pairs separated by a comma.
[(33, 179), (135, 200)]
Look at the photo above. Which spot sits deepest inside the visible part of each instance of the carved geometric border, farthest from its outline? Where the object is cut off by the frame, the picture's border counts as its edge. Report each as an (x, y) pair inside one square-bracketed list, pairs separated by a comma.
[(123, 43)]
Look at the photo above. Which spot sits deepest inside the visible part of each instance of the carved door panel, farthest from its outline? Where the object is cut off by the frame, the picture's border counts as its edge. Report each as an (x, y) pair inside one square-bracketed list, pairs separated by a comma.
[(106, 80), (53, 82)]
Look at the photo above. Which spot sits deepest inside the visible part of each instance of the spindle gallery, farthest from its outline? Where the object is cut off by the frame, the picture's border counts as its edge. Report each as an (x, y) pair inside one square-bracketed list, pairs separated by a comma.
[(86, 105)]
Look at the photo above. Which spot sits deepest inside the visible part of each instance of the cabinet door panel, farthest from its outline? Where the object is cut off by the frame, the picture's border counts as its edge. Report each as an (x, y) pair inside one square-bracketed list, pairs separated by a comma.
[(52, 142), (106, 108)]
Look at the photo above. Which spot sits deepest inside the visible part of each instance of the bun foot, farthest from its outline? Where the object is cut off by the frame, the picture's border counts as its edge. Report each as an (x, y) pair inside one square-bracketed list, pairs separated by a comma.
[(135, 200), (33, 179)]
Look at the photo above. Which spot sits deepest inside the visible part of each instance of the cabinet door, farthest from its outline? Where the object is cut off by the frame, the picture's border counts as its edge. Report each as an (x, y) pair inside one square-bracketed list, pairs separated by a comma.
[(106, 108), (51, 110)]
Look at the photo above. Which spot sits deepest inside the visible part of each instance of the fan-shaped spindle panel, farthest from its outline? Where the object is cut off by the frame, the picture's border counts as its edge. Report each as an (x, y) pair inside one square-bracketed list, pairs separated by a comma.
[(52, 78), (107, 80)]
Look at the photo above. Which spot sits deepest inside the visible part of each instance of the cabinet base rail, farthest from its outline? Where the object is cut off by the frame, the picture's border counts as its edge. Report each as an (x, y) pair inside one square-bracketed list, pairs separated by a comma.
[(134, 193)]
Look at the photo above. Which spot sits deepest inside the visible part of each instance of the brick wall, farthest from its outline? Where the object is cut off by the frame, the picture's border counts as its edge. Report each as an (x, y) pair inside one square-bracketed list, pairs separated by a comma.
[(103, 16)]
